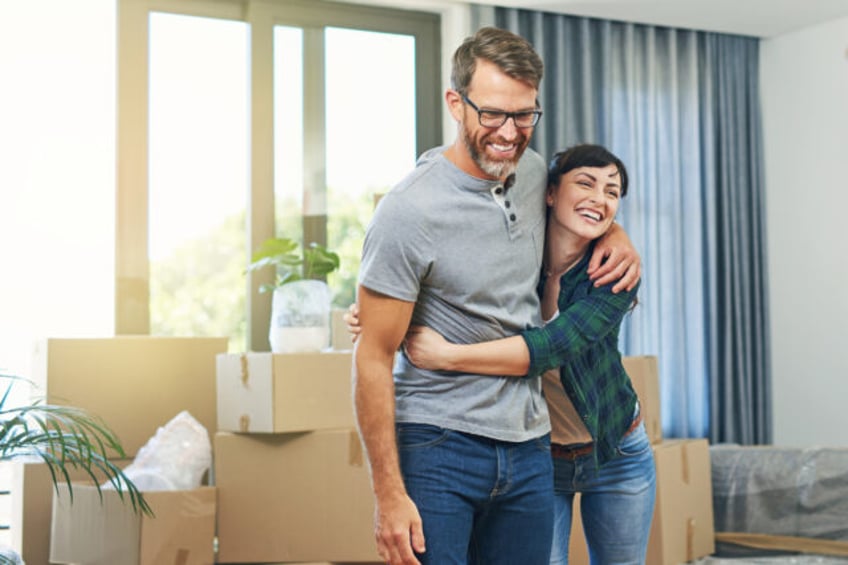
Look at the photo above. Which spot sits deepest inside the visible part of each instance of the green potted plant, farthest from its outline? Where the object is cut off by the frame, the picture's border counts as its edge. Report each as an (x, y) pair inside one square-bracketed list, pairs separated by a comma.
[(300, 310), (64, 438)]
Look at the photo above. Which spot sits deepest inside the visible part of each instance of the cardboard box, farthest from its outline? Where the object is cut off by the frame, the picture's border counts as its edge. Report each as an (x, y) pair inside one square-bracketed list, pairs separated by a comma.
[(644, 375), (30, 501), (682, 527), (293, 497), (135, 383), (91, 531), (288, 392)]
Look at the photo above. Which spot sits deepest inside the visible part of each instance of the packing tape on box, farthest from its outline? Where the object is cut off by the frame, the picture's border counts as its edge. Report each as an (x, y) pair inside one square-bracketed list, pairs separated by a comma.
[(245, 374), (690, 539), (181, 558), (355, 456)]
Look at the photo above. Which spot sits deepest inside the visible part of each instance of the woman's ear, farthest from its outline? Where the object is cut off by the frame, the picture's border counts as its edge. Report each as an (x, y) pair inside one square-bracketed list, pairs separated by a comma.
[(549, 195)]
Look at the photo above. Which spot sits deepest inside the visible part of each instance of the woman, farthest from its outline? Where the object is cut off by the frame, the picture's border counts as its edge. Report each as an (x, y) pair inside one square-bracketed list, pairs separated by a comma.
[(599, 444)]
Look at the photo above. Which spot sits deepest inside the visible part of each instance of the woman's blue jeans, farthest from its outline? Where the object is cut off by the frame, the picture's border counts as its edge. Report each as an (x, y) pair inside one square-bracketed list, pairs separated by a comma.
[(616, 503), (482, 501)]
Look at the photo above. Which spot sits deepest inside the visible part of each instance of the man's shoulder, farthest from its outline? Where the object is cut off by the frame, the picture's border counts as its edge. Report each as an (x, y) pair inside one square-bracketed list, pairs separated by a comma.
[(416, 188), (430, 155), (533, 157)]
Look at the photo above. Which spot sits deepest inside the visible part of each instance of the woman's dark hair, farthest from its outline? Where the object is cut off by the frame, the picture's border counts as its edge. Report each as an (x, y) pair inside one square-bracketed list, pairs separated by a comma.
[(585, 155)]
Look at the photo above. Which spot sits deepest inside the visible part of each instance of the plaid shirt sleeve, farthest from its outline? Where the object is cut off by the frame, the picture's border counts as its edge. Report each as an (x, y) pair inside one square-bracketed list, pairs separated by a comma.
[(592, 313)]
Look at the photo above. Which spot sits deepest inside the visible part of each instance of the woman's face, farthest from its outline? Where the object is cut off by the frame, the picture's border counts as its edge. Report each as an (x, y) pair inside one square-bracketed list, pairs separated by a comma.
[(586, 200)]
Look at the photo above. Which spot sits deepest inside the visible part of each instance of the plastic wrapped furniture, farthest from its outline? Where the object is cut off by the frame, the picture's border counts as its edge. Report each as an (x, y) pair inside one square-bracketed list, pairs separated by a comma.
[(783, 493)]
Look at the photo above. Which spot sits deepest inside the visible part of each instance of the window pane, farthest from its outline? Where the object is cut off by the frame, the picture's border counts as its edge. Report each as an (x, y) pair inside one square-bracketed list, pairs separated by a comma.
[(370, 85), (198, 150), (288, 131)]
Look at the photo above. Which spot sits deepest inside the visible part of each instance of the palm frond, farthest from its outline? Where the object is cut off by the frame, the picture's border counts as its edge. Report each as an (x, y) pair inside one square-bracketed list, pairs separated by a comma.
[(65, 437)]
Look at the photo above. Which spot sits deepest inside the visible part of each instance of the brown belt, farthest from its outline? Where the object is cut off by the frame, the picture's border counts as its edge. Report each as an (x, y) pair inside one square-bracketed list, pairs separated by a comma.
[(574, 451)]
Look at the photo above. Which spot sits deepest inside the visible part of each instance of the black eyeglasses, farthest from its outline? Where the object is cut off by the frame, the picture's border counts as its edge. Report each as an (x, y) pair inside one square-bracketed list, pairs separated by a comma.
[(497, 118)]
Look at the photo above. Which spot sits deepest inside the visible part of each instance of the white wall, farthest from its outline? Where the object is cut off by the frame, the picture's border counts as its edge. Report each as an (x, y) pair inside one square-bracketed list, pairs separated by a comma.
[(804, 90)]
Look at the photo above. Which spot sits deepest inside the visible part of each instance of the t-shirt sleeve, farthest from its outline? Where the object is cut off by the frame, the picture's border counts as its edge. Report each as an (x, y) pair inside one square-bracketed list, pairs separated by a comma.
[(586, 321), (394, 253)]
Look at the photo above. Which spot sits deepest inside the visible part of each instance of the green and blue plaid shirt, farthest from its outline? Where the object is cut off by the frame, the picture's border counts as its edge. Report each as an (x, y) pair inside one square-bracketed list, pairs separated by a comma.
[(583, 341)]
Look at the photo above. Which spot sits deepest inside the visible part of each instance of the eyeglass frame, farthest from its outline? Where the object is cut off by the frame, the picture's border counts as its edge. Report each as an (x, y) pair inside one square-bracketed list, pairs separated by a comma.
[(537, 114)]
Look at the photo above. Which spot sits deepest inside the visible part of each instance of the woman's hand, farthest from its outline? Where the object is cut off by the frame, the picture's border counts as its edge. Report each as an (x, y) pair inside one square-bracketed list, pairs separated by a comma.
[(426, 348), (351, 318), (615, 259)]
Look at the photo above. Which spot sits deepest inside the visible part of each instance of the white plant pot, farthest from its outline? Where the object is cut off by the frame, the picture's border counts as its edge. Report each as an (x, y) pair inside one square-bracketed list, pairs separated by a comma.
[(300, 317)]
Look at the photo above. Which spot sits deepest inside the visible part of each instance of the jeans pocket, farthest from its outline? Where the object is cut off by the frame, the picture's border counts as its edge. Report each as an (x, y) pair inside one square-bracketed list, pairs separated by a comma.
[(416, 436), (634, 443)]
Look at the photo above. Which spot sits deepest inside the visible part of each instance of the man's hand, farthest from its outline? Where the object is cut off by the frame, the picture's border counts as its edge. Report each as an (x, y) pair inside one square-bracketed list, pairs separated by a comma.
[(397, 527), (615, 259)]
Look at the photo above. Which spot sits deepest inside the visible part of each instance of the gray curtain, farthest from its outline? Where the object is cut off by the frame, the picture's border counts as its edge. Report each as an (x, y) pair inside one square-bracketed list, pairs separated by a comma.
[(681, 108)]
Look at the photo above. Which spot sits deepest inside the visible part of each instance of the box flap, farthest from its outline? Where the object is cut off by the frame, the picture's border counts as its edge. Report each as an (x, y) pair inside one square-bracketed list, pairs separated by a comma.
[(93, 531)]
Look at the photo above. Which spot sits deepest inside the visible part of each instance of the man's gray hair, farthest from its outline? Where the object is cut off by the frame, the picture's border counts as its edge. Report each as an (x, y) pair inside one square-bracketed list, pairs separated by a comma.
[(511, 53)]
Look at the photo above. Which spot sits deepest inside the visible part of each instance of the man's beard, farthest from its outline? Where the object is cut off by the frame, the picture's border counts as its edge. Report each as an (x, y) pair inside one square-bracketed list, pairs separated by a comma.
[(494, 168)]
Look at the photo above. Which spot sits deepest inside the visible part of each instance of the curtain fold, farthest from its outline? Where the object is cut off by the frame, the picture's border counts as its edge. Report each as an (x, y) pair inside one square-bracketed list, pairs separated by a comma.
[(681, 108)]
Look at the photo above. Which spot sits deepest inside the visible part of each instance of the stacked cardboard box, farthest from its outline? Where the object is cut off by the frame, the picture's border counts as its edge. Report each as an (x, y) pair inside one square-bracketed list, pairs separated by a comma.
[(135, 384), (298, 392), (291, 476), (682, 528), (293, 497)]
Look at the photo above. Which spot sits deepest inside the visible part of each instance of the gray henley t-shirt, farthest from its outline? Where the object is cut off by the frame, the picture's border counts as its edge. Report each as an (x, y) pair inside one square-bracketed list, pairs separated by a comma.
[(468, 253)]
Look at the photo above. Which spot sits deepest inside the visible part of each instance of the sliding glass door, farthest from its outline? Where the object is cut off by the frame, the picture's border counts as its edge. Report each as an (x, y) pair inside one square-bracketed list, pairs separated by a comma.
[(239, 121)]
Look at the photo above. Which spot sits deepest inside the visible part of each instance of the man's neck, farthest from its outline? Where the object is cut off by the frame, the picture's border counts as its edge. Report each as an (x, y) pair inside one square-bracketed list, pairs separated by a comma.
[(458, 155)]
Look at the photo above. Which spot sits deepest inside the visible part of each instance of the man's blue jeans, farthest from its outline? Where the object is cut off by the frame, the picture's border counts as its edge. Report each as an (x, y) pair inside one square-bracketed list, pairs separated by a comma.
[(482, 501), (616, 503)]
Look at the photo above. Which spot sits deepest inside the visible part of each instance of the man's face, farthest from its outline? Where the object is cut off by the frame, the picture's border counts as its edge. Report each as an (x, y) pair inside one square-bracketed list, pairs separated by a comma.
[(496, 150)]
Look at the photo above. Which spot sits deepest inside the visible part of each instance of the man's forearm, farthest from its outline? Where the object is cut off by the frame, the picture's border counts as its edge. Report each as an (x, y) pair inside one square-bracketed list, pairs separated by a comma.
[(375, 414)]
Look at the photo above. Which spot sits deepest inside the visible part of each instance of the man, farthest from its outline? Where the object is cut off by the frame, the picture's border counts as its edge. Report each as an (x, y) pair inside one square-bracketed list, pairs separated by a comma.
[(462, 461)]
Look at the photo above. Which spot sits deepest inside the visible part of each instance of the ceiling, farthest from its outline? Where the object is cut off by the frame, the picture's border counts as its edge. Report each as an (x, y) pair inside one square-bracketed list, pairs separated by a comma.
[(759, 18)]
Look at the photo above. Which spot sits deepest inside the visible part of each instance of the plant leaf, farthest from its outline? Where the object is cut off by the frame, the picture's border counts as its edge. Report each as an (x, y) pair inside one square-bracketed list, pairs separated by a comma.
[(66, 437)]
